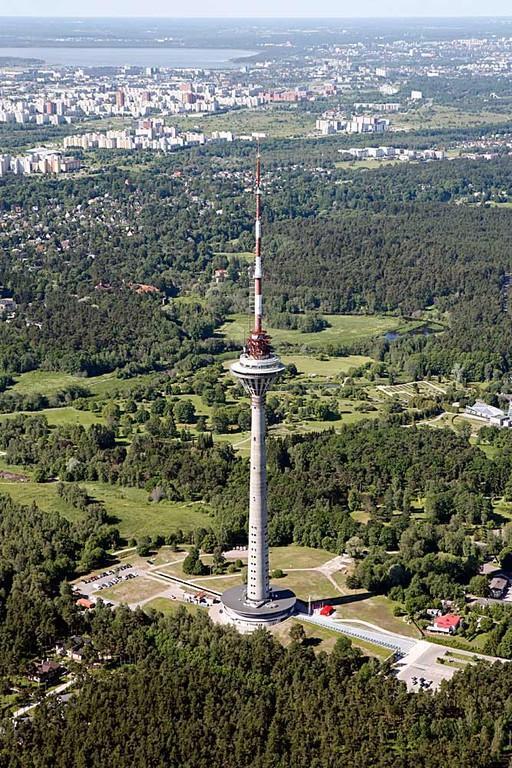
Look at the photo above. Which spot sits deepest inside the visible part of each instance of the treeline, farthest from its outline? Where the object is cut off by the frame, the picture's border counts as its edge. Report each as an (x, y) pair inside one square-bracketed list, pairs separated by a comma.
[(14, 401), (122, 330), (197, 695), (38, 552)]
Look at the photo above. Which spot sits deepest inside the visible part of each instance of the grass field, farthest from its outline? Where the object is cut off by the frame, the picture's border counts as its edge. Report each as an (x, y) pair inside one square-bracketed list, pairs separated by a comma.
[(305, 584), (368, 164), (45, 496), (129, 506), (332, 366), (49, 382), (132, 591), (169, 607), (323, 639), (445, 117), (58, 416), (376, 610), (275, 122), (343, 329), (296, 556), (139, 517)]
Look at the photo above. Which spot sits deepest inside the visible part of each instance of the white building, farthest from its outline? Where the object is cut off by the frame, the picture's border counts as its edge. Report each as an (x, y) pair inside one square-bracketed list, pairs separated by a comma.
[(494, 416)]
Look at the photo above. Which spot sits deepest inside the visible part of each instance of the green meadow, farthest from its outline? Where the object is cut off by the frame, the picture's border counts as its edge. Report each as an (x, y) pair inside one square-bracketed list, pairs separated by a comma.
[(342, 330)]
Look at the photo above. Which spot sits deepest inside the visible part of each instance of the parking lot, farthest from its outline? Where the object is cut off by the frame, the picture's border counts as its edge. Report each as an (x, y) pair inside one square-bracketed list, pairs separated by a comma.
[(427, 665), (95, 583)]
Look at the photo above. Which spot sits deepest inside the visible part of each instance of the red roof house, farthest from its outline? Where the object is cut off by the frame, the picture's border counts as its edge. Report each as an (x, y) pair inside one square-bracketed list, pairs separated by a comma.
[(83, 602), (447, 623), (327, 610)]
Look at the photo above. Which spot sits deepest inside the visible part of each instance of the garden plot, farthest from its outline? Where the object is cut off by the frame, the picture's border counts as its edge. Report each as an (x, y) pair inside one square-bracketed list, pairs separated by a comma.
[(407, 391)]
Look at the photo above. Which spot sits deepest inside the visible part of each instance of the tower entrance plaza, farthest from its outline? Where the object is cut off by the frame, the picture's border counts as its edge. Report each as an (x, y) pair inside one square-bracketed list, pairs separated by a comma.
[(257, 603)]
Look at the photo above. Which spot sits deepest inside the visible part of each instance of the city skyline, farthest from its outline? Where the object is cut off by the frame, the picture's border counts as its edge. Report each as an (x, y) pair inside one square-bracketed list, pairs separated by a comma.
[(267, 9)]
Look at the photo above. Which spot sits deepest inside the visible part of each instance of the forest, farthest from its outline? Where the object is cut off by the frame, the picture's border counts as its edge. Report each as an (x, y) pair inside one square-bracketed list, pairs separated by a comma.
[(400, 239), (425, 495), (199, 695)]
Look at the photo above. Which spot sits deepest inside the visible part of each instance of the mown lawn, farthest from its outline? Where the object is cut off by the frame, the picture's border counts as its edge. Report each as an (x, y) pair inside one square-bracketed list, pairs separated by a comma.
[(296, 556), (310, 366), (376, 610), (307, 584), (168, 607), (323, 639)]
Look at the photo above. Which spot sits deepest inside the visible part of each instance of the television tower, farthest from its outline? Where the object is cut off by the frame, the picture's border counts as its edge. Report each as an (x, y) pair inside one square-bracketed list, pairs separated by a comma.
[(257, 603)]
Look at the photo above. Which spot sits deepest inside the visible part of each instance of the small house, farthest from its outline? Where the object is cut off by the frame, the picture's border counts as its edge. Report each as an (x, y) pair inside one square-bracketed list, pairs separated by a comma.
[(46, 672), (498, 587), (447, 624), (85, 603)]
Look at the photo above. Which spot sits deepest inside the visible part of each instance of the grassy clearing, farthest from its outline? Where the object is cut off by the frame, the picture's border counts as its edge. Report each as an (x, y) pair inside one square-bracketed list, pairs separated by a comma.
[(176, 568), (139, 517), (49, 382), (445, 117), (45, 496), (45, 382), (58, 416), (368, 164), (295, 556), (307, 584), (361, 517), (133, 591), (376, 610), (135, 516), (219, 584), (332, 366), (503, 508), (275, 122), (323, 639), (343, 329), (169, 607)]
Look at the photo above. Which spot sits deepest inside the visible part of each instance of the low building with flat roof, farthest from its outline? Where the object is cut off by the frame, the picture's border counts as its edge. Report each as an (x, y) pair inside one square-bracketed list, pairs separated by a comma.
[(489, 413)]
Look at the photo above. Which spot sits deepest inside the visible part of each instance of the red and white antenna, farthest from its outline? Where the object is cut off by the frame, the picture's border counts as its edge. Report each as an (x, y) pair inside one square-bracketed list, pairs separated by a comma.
[(259, 342), (258, 274)]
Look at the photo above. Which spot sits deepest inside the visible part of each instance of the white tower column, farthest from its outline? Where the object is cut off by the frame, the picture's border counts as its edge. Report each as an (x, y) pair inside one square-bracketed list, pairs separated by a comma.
[(257, 574)]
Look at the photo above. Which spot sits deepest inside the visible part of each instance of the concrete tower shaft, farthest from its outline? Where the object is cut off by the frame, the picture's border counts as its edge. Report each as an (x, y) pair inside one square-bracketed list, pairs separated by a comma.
[(256, 376), (258, 585)]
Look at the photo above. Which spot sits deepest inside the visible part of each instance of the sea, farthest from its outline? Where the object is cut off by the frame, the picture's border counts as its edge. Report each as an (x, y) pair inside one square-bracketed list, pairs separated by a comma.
[(174, 58)]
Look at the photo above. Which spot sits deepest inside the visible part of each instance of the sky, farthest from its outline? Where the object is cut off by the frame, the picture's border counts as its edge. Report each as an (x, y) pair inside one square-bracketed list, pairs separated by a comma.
[(260, 8)]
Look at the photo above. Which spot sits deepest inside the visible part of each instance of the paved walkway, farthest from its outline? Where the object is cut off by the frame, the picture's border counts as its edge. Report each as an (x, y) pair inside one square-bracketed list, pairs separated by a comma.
[(363, 631), (59, 689)]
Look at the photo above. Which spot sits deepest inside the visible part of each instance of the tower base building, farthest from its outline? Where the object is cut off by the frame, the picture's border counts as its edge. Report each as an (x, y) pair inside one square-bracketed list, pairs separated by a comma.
[(246, 617)]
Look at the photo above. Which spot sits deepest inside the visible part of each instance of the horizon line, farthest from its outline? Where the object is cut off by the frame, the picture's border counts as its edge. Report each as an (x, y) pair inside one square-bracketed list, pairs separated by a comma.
[(267, 18)]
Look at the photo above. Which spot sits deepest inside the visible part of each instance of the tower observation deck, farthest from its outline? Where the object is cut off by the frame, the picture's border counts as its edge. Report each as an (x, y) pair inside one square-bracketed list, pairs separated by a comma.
[(257, 603)]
